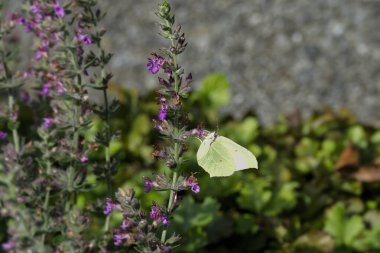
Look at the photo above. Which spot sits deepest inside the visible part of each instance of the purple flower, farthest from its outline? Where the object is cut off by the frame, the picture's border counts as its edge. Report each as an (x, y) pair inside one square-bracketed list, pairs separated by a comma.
[(35, 8), (126, 224), (163, 109), (156, 215), (165, 249), (14, 116), (48, 122), (155, 212), (199, 131), (119, 237), (25, 97), (46, 89), (59, 11), (86, 39), (3, 135), (38, 55), (192, 182), (28, 73), (163, 112), (110, 205), (8, 246), (160, 126), (164, 220), (83, 37), (155, 63), (148, 184), (22, 21), (60, 89), (42, 50), (195, 188), (83, 158), (152, 66), (38, 19), (80, 51), (29, 25)]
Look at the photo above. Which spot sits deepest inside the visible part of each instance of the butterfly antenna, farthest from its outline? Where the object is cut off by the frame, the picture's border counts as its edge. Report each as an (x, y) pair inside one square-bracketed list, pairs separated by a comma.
[(217, 128)]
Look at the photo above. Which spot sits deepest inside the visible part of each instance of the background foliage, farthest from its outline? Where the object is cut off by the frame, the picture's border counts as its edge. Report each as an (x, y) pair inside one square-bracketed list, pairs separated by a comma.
[(316, 189)]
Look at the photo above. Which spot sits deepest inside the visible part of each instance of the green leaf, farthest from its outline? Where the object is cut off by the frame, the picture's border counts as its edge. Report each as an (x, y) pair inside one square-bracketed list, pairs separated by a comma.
[(191, 214), (136, 140), (216, 89), (283, 199), (246, 223), (13, 125), (191, 219), (357, 136), (255, 196), (243, 132), (342, 228)]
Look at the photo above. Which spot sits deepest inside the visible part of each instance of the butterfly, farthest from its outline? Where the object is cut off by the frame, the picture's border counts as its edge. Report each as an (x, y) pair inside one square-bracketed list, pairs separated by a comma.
[(221, 157)]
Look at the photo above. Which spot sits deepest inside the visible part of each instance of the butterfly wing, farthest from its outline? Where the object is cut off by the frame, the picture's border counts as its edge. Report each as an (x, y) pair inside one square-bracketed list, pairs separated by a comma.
[(214, 157), (242, 157)]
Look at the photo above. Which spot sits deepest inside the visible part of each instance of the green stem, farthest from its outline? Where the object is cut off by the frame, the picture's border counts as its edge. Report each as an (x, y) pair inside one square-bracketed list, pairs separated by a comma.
[(107, 147), (9, 79), (171, 202), (47, 196), (46, 215), (174, 56), (76, 127), (172, 192), (16, 140), (176, 144), (108, 133)]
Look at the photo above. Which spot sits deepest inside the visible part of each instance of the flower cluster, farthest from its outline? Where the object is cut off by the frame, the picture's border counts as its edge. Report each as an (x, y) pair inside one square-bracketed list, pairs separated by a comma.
[(157, 215), (163, 109), (44, 21), (3, 135), (162, 182), (155, 63), (109, 206), (136, 228), (171, 120), (53, 163), (192, 182)]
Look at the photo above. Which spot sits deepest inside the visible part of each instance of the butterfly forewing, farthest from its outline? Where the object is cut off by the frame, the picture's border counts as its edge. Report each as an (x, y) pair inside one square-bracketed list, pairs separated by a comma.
[(214, 157)]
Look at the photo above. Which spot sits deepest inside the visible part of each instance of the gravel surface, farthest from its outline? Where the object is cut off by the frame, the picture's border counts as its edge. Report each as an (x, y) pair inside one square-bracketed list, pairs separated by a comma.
[(279, 55)]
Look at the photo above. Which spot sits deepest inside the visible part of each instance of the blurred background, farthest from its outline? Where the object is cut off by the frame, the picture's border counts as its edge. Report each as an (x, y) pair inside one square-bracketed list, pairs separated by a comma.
[(279, 55), (297, 83)]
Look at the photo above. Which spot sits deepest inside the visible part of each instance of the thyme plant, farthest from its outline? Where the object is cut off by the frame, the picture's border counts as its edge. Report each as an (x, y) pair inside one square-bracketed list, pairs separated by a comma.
[(44, 170), (148, 233), (44, 175)]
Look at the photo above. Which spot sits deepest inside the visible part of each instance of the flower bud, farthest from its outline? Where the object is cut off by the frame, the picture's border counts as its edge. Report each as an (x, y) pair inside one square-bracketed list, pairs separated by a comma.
[(142, 224), (164, 9), (171, 163), (135, 203)]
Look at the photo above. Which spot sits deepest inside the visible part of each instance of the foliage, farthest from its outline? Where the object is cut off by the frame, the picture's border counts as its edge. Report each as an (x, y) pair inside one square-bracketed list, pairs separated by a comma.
[(298, 200)]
